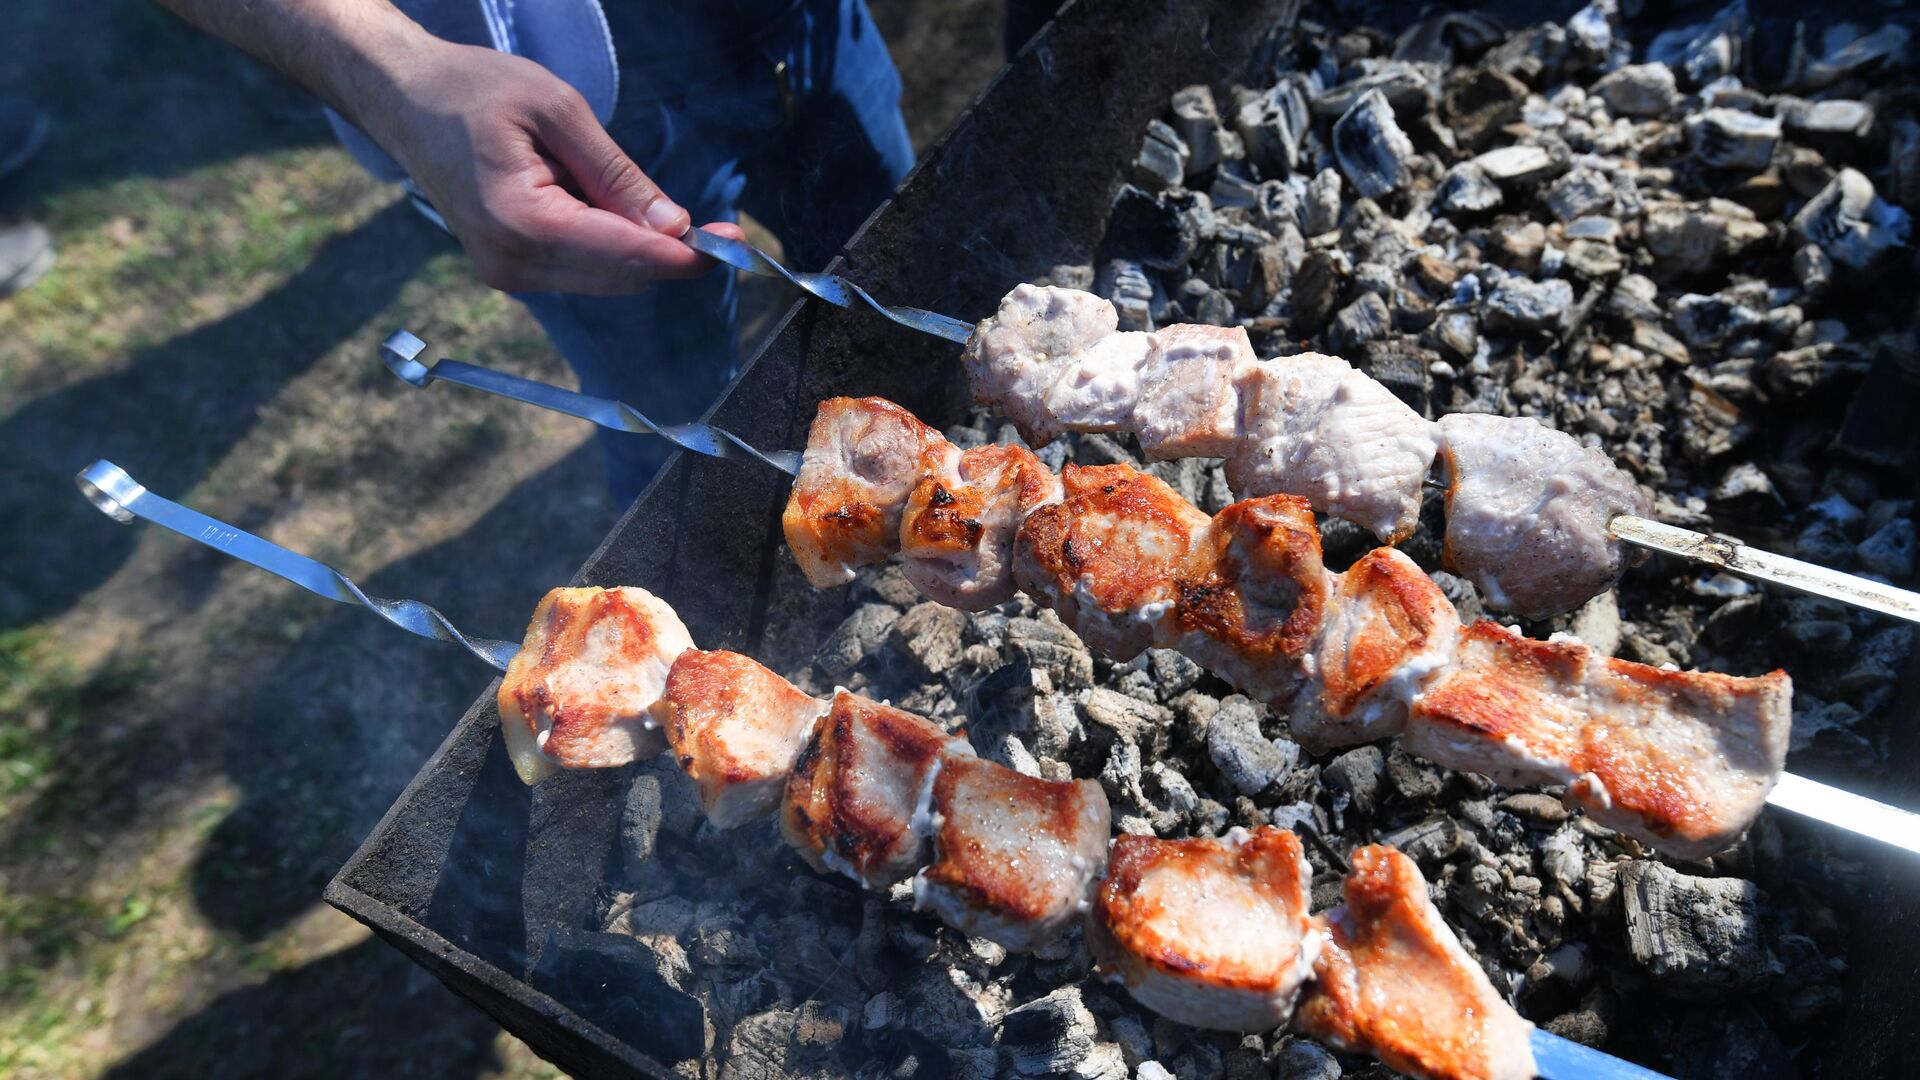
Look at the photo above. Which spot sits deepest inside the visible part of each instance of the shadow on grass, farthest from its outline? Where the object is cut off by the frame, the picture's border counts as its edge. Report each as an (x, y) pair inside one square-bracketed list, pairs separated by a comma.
[(354, 708), (364, 1011), (167, 419)]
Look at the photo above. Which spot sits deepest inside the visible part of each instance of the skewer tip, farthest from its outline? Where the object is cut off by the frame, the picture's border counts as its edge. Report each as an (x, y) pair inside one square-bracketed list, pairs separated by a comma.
[(108, 487), (401, 353)]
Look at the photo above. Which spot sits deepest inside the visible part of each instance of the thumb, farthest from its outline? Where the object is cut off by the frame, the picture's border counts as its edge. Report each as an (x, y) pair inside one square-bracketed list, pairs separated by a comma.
[(607, 177)]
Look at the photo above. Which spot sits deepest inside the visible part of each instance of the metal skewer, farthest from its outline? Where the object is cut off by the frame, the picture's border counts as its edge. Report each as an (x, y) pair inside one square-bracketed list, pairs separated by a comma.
[(122, 498), (402, 350), (829, 287), (1555, 1058)]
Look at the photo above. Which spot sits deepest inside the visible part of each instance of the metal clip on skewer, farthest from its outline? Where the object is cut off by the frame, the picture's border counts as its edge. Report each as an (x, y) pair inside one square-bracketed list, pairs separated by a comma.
[(122, 498), (829, 287), (402, 350)]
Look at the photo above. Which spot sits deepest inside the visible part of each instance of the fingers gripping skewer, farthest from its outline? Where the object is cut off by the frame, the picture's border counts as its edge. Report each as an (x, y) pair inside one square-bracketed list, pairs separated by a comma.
[(401, 352), (122, 498), (831, 288)]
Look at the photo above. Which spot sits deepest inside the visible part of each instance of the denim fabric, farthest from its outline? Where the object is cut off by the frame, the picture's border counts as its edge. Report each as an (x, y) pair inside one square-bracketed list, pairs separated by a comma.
[(809, 155)]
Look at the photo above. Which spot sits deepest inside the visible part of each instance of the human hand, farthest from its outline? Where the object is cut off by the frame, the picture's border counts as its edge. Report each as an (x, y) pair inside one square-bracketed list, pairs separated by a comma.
[(515, 162)]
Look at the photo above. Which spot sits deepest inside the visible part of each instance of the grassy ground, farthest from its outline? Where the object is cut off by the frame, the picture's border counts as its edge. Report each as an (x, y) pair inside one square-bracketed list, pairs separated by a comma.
[(189, 748)]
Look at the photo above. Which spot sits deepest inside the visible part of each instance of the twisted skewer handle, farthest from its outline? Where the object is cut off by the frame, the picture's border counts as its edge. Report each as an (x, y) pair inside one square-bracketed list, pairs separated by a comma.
[(829, 287), (402, 350), (1555, 1058), (122, 498)]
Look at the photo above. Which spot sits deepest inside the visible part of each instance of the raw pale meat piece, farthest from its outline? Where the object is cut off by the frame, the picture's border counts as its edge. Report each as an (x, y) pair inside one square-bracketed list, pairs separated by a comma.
[(1527, 513), (1189, 402), (1316, 427), (1097, 387), (1017, 355)]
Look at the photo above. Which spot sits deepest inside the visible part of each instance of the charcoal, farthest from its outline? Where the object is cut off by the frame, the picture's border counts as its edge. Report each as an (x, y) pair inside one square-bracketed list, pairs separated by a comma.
[(1854, 226), (1467, 189), (1196, 121), (1320, 213), (1731, 139), (1112, 716), (1889, 552), (1053, 1035), (1372, 150), (858, 635), (1161, 230), (1520, 304), (1356, 778), (1315, 289), (1699, 935), (1273, 125), (1581, 192), (929, 636), (1639, 90), (1366, 319), (1522, 163), (1404, 86), (1247, 760), (1448, 38), (1835, 124), (619, 983), (1592, 259), (1163, 158), (1687, 239), (1303, 1060), (1730, 1044), (1886, 45)]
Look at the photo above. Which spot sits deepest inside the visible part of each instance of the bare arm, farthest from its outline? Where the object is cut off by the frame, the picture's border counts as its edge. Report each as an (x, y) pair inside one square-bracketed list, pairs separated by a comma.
[(509, 154)]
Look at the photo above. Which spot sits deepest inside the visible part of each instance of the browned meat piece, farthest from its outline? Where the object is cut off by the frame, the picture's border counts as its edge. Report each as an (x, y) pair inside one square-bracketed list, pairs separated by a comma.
[(1014, 857), (736, 728), (863, 459), (583, 692), (1527, 513), (856, 802), (1316, 427), (1212, 933), (1252, 595), (1394, 982), (1683, 759), (957, 534), (1189, 400), (1015, 357), (1105, 559), (1387, 629)]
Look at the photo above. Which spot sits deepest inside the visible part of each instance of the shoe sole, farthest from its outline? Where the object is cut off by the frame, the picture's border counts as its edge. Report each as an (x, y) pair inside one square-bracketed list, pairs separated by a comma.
[(36, 139), (33, 272)]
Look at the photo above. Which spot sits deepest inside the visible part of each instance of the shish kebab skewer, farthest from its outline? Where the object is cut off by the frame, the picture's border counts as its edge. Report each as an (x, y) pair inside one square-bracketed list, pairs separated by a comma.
[(1488, 719), (1280, 425), (1211, 932)]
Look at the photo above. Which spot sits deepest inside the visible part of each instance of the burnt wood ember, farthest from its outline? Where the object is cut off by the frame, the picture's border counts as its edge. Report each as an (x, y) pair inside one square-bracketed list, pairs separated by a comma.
[(1581, 228)]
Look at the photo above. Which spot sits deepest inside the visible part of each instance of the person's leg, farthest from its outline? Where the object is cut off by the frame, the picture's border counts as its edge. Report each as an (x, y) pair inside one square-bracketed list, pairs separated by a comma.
[(845, 145)]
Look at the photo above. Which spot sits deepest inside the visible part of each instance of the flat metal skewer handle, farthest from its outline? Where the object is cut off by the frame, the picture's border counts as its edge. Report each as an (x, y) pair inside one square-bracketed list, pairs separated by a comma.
[(122, 498), (1738, 558), (401, 352), (833, 289)]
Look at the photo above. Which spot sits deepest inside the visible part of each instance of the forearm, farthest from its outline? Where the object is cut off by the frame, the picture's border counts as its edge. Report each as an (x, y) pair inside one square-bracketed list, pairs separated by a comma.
[(352, 54)]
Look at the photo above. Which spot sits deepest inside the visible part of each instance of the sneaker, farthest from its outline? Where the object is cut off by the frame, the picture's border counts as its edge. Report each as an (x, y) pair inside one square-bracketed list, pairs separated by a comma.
[(26, 254), (23, 131)]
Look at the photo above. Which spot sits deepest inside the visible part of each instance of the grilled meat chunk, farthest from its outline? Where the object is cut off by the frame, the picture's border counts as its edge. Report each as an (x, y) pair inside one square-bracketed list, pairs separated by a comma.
[(1387, 629), (1106, 558), (1015, 857), (1252, 595), (583, 692), (864, 457), (736, 729), (1393, 982), (1316, 427), (1683, 759), (856, 801), (1212, 933), (957, 532), (1527, 513), (1015, 357), (1189, 401)]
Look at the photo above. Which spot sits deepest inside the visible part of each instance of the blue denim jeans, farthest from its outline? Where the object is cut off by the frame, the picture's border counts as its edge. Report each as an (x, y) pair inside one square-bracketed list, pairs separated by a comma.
[(799, 126)]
